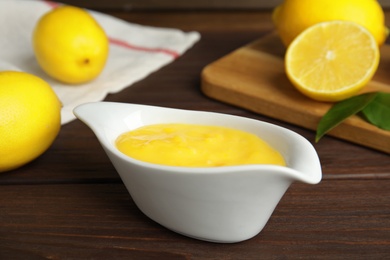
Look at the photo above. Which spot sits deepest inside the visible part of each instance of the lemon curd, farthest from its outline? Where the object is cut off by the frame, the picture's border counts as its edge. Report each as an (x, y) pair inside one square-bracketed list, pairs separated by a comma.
[(196, 146)]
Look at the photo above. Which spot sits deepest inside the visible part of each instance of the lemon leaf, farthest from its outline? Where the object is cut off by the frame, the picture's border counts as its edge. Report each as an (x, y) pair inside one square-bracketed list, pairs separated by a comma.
[(341, 111), (377, 112)]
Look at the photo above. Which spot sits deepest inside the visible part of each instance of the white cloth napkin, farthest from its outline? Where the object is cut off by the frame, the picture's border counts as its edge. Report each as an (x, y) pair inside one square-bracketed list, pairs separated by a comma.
[(135, 51)]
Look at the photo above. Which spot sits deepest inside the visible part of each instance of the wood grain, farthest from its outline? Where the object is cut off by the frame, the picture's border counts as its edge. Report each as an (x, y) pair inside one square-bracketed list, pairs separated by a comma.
[(253, 77), (101, 221)]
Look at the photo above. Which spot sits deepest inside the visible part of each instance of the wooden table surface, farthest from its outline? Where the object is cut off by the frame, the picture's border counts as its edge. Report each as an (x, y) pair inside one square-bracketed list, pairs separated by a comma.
[(71, 204)]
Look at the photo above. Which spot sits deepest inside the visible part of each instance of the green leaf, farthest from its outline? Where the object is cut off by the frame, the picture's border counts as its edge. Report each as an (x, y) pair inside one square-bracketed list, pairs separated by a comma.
[(377, 112), (341, 111)]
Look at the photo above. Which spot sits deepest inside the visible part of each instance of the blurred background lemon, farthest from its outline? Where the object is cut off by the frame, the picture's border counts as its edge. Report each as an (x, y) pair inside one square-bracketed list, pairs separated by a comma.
[(70, 45), (294, 16), (30, 118)]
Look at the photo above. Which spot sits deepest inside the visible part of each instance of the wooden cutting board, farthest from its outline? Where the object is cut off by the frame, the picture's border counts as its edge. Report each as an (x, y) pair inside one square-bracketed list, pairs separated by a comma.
[(253, 77)]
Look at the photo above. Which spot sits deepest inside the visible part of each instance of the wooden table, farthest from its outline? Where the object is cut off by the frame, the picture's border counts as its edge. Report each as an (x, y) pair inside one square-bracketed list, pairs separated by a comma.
[(71, 204)]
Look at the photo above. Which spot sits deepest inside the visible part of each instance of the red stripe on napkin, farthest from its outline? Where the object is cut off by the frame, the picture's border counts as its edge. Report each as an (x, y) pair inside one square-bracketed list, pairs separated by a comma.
[(139, 48), (51, 4), (127, 45)]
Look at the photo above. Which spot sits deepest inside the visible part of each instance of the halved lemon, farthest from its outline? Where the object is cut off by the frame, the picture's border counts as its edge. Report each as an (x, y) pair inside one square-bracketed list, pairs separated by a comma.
[(332, 61)]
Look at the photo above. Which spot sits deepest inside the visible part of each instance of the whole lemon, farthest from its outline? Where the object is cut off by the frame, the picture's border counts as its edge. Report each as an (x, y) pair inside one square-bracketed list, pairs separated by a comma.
[(294, 16), (70, 45), (30, 118)]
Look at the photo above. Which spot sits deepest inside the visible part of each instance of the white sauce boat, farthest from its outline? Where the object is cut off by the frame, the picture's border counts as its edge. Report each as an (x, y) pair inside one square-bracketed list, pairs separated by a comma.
[(219, 204)]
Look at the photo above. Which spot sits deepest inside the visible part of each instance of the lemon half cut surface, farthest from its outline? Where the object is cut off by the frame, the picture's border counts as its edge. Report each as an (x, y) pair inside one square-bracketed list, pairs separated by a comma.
[(332, 61)]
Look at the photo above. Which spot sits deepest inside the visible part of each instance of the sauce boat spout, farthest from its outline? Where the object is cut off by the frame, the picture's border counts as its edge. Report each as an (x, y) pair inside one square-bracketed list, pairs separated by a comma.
[(108, 115), (219, 204)]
